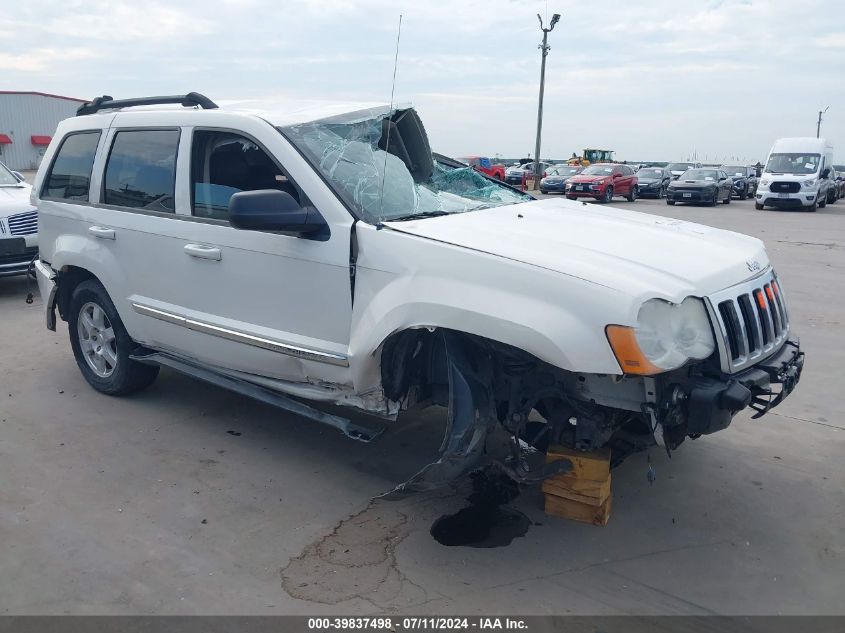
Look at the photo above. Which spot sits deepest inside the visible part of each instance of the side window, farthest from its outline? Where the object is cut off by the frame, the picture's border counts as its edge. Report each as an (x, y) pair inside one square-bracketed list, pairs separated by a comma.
[(70, 174), (225, 163), (141, 170)]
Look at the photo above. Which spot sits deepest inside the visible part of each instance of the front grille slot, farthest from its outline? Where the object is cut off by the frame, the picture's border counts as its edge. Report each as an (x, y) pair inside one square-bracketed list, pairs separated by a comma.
[(750, 320), (23, 223), (735, 338)]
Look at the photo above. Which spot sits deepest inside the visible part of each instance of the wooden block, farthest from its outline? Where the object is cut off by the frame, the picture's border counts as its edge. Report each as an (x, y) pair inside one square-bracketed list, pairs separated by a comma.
[(577, 511), (594, 465), (587, 491)]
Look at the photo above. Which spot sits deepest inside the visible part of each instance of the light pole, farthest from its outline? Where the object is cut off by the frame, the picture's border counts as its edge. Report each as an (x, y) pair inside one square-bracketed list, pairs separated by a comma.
[(544, 47), (819, 124)]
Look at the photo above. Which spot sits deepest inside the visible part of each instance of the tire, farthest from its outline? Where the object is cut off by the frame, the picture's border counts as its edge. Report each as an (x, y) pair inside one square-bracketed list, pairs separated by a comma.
[(571, 197), (812, 208), (727, 200), (661, 193), (101, 344), (670, 202), (608, 194), (822, 203), (743, 195), (831, 197), (632, 195), (715, 200), (758, 206)]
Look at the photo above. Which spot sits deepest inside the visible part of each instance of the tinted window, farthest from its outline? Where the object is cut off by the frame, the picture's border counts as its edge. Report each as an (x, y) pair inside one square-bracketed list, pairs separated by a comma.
[(141, 170), (223, 164), (70, 175)]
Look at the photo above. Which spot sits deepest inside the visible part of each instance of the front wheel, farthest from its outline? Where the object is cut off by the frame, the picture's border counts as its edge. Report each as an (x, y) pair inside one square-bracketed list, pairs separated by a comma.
[(571, 197), (661, 193), (727, 200), (758, 206), (715, 200), (670, 202), (101, 344), (822, 203), (632, 195), (608, 194)]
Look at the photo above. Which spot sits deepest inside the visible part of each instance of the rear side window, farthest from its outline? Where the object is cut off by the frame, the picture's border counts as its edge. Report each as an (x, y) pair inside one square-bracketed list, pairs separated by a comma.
[(141, 170), (70, 174)]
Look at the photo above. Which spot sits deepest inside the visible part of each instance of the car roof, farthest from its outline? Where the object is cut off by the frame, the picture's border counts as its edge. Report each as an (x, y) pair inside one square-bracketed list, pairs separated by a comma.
[(278, 112)]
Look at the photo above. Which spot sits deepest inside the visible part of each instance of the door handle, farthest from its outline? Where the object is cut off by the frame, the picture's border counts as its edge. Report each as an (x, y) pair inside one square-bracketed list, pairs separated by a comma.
[(102, 232), (203, 252)]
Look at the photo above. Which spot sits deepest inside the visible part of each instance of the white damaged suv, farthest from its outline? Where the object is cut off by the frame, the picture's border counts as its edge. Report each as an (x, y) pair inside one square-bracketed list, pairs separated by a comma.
[(327, 255)]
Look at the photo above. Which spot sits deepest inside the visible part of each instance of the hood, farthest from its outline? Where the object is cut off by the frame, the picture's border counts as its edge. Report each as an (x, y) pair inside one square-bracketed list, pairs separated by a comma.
[(15, 199), (691, 184), (588, 177), (635, 253)]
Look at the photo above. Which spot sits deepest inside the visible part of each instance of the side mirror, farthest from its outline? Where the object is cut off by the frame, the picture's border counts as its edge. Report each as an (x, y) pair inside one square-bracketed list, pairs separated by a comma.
[(18, 175), (826, 172), (274, 210)]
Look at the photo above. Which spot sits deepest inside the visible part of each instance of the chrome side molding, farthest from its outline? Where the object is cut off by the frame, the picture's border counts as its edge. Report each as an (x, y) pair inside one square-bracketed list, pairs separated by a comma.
[(241, 337)]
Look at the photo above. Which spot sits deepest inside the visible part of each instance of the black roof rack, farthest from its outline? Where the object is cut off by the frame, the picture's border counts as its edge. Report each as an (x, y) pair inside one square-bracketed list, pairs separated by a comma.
[(106, 102)]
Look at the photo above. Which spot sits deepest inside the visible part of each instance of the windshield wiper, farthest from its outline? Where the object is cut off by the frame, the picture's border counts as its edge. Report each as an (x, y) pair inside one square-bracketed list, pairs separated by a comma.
[(416, 216)]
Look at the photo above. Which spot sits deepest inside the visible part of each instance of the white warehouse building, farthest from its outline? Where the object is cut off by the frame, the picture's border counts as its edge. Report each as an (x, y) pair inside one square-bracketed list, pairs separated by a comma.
[(27, 123)]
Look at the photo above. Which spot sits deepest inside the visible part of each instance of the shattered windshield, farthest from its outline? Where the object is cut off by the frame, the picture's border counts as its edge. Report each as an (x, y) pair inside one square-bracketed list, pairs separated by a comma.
[(381, 165)]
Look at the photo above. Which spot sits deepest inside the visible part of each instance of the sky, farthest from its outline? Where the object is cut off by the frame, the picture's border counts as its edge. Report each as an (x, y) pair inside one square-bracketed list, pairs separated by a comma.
[(650, 79)]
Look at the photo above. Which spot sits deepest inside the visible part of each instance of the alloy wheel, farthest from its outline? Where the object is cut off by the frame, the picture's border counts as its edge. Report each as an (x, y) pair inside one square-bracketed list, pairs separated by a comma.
[(97, 340)]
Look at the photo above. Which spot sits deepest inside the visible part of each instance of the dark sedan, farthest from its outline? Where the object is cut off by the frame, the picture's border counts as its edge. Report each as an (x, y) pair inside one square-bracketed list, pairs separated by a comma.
[(556, 178), (744, 180), (704, 186), (653, 181)]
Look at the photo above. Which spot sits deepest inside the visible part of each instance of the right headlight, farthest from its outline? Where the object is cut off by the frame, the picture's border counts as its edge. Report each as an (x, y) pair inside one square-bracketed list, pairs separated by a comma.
[(810, 182), (667, 336)]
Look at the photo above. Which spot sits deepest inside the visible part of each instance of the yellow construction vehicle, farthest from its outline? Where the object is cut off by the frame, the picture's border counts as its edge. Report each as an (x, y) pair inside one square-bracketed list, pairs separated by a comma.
[(590, 156)]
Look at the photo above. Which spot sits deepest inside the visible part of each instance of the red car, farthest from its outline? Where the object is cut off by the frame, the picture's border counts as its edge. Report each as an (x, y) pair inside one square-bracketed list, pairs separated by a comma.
[(485, 166), (602, 182)]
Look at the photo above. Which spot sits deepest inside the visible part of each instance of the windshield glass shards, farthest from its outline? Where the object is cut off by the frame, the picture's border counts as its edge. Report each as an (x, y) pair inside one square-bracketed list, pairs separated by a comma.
[(381, 165)]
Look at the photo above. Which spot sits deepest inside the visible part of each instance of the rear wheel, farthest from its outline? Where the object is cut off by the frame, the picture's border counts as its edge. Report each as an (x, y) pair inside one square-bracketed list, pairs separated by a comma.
[(101, 344), (608, 194)]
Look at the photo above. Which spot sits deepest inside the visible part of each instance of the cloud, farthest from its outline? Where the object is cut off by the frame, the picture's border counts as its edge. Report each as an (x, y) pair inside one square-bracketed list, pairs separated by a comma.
[(650, 78)]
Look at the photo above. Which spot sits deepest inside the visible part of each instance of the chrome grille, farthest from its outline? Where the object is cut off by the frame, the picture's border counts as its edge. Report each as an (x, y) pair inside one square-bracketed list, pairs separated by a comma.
[(23, 223), (751, 321)]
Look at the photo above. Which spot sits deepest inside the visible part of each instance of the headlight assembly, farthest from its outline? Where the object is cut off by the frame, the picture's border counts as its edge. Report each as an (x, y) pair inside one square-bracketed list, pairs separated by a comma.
[(810, 182), (667, 336)]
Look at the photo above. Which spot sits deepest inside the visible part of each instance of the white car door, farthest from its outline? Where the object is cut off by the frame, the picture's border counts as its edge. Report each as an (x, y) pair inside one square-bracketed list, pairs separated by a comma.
[(266, 304)]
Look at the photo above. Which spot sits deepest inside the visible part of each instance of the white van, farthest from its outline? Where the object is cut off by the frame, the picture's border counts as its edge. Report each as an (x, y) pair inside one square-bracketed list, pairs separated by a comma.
[(796, 175)]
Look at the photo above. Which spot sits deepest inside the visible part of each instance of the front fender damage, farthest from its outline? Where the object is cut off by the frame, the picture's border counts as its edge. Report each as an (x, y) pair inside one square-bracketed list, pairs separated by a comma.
[(471, 422)]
